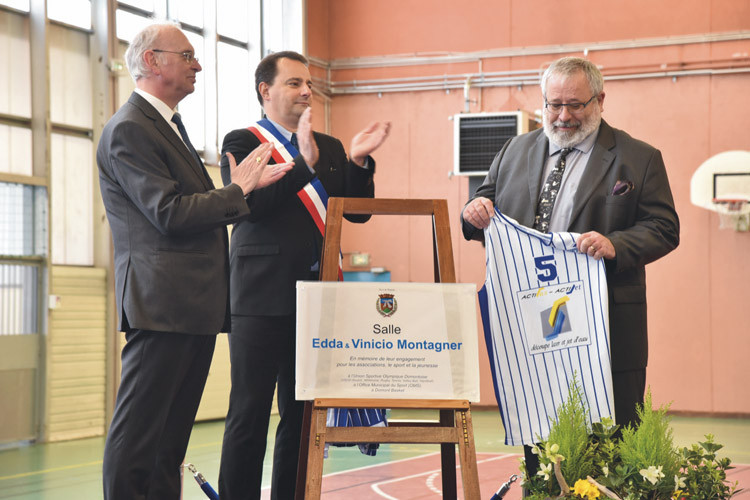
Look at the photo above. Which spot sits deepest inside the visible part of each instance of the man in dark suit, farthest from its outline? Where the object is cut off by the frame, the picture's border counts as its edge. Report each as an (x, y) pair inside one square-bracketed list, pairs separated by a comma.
[(614, 190), (171, 264), (277, 246)]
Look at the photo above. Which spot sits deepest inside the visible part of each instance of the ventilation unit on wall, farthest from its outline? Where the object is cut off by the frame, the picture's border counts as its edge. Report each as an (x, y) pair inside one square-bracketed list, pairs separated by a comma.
[(478, 137)]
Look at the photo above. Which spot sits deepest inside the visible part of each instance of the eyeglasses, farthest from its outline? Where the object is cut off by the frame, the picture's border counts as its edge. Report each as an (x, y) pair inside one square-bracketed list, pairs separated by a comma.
[(187, 55), (573, 107)]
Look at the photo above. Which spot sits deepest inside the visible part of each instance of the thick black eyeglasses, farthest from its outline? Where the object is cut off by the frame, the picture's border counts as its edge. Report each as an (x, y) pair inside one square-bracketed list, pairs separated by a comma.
[(187, 55), (573, 107)]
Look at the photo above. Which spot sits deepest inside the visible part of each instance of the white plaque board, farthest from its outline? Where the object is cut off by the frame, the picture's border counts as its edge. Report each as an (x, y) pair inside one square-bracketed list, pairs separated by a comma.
[(386, 340)]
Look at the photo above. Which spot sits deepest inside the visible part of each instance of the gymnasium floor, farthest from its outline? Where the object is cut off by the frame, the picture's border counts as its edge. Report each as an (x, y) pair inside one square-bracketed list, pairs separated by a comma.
[(72, 470)]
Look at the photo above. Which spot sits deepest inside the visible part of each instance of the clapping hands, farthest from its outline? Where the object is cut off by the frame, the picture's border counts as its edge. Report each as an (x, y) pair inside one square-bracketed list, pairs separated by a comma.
[(254, 172), (367, 141)]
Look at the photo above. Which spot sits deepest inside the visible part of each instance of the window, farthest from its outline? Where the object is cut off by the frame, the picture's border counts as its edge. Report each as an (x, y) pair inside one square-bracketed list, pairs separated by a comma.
[(73, 12), (23, 218), (22, 5), (23, 215), (71, 202), (18, 299), (15, 150), (71, 148), (235, 18), (193, 107), (190, 12), (128, 24), (237, 105), (147, 5)]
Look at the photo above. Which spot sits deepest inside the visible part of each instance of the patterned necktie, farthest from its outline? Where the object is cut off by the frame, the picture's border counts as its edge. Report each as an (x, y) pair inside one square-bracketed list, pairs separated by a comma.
[(549, 193)]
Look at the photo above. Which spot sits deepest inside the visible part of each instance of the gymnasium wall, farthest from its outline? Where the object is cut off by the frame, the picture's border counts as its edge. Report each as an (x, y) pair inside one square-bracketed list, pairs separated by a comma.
[(697, 295)]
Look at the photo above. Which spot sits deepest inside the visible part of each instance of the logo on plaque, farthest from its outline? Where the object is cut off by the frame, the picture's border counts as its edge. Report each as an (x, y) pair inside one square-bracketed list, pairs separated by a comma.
[(386, 304)]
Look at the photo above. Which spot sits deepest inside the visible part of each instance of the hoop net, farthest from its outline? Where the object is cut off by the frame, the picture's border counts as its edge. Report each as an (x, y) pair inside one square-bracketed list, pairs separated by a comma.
[(733, 213)]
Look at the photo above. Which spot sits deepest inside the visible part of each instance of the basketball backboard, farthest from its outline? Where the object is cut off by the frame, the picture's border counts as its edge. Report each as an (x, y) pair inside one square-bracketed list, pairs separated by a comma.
[(722, 184)]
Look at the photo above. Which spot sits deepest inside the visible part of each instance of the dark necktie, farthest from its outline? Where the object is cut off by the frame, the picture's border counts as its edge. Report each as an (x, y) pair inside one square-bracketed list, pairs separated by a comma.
[(293, 141), (549, 193), (177, 120)]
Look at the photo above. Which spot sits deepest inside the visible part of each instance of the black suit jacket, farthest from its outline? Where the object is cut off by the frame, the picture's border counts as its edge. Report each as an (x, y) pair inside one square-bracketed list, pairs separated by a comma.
[(642, 223), (168, 225), (278, 244)]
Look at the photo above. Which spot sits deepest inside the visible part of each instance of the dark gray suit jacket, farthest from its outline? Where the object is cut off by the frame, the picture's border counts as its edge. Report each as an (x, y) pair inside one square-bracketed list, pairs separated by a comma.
[(168, 225), (642, 223), (277, 244)]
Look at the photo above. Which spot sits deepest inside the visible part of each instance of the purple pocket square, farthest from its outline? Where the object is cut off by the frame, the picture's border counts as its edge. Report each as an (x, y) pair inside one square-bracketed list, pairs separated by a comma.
[(622, 187)]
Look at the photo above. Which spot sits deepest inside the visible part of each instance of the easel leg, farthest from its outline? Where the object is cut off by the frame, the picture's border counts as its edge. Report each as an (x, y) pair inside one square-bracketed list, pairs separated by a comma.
[(448, 458), (316, 449), (304, 448), (467, 454)]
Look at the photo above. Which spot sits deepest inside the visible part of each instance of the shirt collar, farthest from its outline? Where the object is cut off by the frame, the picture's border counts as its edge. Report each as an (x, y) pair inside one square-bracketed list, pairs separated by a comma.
[(287, 134), (165, 111), (584, 146)]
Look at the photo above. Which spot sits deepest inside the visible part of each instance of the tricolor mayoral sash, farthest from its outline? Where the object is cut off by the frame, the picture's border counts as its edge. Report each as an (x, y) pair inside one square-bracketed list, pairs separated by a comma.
[(313, 195)]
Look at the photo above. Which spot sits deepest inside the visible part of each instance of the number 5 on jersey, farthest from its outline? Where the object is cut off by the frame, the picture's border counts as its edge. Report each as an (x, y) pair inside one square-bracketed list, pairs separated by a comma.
[(546, 268)]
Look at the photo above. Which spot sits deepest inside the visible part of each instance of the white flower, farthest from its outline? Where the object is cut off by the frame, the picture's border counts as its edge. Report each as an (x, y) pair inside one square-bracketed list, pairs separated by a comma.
[(605, 470), (652, 474), (679, 483), (545, 470)]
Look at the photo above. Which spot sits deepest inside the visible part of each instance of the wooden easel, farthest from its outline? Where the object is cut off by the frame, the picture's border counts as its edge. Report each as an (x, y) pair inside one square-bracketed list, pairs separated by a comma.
[(454, 427)]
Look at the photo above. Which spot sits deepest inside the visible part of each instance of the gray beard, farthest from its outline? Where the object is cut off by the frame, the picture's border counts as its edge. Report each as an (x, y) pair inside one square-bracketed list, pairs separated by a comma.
[(570, 139)]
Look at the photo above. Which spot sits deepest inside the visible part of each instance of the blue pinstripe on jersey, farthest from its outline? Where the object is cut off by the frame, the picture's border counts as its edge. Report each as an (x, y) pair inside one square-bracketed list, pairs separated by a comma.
[(356, 417), (532, 381)]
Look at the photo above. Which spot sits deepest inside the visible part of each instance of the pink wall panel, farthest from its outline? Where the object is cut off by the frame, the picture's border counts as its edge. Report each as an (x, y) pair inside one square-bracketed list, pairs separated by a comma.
[(538, 22), (398, 26), (729, 15)]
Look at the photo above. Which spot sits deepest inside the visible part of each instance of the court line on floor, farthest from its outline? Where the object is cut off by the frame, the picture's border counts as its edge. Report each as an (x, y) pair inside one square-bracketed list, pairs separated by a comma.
[(381, 464), (365, 467), (54, 469), (376, 486), (85, 464)]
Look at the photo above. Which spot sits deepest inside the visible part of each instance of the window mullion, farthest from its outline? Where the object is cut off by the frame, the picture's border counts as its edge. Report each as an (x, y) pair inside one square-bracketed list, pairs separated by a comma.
[(211, 152)]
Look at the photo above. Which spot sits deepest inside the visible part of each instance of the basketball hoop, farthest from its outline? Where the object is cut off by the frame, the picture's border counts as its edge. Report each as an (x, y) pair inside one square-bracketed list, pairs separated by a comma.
[(734, 213), (722, 184)]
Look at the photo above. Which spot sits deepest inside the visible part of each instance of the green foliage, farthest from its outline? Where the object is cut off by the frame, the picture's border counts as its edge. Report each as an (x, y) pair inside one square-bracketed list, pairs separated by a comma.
[(705, 475), (571, 434), (651, 445), (642, 464)]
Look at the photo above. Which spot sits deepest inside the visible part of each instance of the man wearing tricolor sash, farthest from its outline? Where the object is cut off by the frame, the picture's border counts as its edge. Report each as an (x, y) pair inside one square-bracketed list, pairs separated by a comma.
[(279, 244)]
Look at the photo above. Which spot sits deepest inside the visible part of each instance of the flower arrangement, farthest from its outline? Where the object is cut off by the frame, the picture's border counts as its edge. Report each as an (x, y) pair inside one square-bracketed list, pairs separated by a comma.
[(639, 463)]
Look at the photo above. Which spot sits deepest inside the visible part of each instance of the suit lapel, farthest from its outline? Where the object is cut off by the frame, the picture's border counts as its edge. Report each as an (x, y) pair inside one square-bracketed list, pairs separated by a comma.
[(599, 163), (171, 136), (535, 161)]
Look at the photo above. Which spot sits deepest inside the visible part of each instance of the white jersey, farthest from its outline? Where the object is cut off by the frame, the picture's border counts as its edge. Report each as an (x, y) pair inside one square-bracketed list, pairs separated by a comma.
[(545, 313)]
